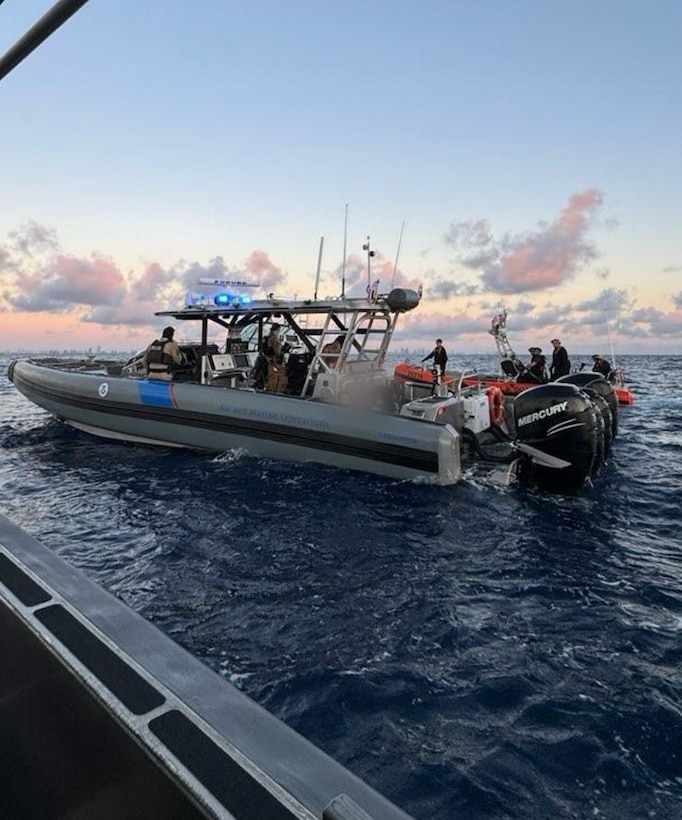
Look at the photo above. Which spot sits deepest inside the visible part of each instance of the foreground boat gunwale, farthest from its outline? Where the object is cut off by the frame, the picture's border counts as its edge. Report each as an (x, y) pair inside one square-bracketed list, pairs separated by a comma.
[(35, 582)]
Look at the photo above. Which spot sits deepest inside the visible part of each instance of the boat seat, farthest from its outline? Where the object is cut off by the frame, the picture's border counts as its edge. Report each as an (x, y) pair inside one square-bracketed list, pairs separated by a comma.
[(511, 367), (228, 378)]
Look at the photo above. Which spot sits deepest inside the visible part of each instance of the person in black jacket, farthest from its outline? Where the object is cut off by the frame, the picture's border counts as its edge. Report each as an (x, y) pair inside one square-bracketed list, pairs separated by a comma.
[(601, 365), (561, 366), (535, 372), (439, 355)]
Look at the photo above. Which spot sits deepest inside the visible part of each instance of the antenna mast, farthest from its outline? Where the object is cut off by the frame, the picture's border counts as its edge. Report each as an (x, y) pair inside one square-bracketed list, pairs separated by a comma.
[(608, 333), (319, 267), (343, 264), (397, 254), (370, 254)]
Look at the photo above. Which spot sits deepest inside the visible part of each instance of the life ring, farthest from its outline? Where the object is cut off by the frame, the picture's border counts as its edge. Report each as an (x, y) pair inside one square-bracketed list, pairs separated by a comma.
[(496, 405)]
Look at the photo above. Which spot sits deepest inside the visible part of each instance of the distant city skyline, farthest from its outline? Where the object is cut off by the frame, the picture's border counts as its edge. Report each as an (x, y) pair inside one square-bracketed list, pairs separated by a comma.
[(145, 145)]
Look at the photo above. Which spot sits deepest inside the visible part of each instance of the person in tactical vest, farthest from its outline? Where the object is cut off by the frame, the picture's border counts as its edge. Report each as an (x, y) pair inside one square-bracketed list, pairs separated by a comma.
[(161, 355)]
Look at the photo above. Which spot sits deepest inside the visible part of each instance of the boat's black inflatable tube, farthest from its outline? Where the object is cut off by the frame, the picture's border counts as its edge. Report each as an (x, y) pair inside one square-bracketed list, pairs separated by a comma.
[(561, 421), (596, 382)]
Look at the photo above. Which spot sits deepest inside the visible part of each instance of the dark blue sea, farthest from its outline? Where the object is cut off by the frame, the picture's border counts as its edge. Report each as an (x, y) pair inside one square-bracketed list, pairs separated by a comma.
[(473, 652)]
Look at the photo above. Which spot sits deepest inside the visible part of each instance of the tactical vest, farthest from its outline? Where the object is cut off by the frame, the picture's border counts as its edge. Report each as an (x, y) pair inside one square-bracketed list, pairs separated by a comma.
[(157, 360)]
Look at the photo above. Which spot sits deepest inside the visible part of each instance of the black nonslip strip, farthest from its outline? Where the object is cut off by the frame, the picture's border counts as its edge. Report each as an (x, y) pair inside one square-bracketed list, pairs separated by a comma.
[(20, 584), (136, 694), (235, 788)]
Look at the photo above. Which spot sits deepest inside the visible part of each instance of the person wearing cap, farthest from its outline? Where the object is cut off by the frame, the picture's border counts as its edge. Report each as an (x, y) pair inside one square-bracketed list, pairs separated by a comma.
[(536, 369), (161, 355), (601, 365), (561, 366)]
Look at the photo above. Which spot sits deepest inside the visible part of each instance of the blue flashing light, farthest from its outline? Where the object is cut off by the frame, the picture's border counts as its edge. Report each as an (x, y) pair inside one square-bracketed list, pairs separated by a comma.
[(222, 299), (245, 299)]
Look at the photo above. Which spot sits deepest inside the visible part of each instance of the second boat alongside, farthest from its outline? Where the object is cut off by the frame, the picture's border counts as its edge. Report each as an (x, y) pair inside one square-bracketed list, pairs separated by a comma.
[(514, 377)]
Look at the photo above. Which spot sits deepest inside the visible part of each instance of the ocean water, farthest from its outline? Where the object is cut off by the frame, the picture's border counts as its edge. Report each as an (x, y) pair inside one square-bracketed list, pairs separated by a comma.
[(472, 652)]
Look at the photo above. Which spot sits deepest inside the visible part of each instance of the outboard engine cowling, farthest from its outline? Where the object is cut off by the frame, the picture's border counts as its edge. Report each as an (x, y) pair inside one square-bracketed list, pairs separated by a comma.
[(596, 382), (606, 416), (560, 421)]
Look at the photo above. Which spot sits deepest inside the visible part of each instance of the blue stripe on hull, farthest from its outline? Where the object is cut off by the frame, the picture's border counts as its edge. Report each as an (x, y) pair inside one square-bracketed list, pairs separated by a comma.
[(156, 393)]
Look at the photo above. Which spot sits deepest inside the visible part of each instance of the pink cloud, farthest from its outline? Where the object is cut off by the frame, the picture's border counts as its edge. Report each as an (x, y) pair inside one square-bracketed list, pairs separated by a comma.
[(153, 278), (259, 264), (67, 280), (534, 261)]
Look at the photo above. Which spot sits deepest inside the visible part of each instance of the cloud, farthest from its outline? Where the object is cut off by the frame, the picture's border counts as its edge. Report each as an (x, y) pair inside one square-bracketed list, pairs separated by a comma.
[(32, 239), (355, 275), (608, 301), (652, 323), (672, 269), (66, 281), (471, 234), (429, 326), (677, 300), (534, 261), (36, 276), (147, 285), (445, 289), (260, 265)]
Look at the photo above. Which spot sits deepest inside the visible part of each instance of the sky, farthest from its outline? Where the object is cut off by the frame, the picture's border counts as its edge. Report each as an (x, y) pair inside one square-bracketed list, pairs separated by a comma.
[(516, 153)]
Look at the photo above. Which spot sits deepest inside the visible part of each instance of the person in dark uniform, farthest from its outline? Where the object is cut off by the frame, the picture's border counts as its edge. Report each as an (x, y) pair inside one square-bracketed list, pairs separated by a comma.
[(273, 343), (161, 355), (536, 369), (601, 365), (439, 355), (561, 366)]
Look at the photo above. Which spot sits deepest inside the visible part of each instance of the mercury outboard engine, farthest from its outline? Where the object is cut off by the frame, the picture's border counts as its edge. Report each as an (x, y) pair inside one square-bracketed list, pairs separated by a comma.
[(595, 382), (557, 430)]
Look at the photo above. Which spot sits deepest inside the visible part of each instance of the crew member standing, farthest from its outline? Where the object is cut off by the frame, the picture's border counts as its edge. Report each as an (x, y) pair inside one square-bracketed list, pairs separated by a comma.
[(161, 355), (439, 355), (273, 343), (561, 366)]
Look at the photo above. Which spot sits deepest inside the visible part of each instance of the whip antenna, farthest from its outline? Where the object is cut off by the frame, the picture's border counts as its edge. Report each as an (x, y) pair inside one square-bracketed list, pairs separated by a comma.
[(397, 253), (608, 333), (343, 264), (319, 266)]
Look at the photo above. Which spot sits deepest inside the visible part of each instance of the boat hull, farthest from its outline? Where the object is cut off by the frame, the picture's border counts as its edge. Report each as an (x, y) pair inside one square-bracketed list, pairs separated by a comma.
[(218, 419)]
